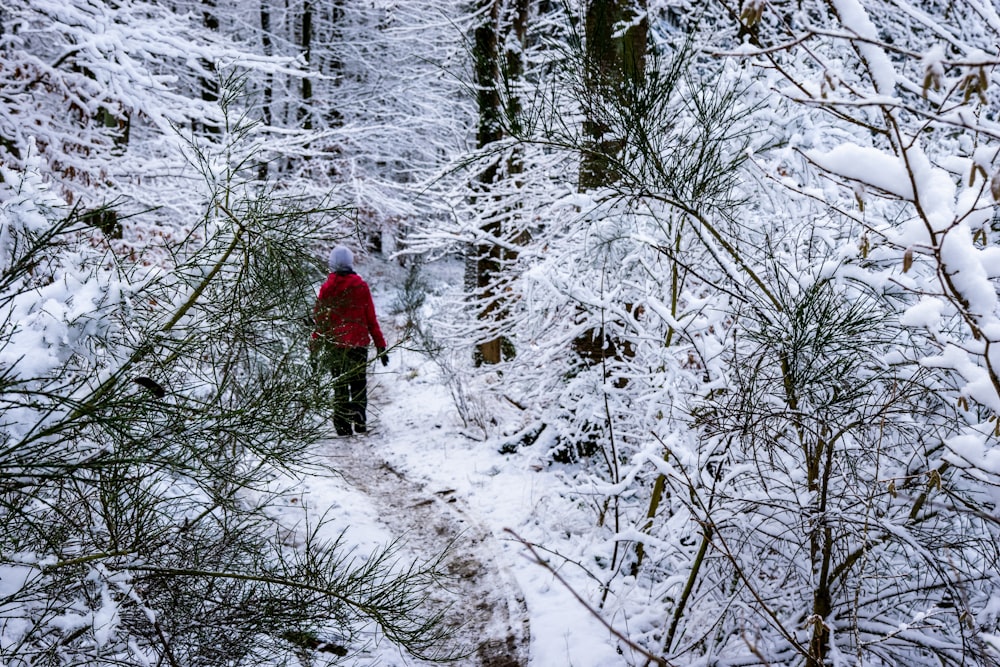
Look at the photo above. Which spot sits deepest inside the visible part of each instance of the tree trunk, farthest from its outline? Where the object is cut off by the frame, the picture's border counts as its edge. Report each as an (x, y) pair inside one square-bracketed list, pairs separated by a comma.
[(611, 65), (209, 86), (305, 110), (268, 93), (502, 22), (268, 48), (335, 66)]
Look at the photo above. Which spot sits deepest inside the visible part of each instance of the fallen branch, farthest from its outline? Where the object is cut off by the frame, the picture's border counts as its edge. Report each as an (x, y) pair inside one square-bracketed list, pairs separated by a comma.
[(593, 612)]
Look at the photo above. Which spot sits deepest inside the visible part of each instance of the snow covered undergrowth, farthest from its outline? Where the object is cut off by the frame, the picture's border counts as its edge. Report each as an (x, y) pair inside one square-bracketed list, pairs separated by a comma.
[(419, 436)]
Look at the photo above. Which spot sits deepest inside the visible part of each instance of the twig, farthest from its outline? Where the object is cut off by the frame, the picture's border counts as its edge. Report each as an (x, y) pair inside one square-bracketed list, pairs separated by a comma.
[(593, 612)]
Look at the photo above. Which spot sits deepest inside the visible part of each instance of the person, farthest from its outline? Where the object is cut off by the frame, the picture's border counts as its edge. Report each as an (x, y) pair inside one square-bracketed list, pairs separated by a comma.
[(345, 323)]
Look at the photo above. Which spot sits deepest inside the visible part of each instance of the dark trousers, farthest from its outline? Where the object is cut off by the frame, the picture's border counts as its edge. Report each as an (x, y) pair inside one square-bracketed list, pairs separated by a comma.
[(350, 388)]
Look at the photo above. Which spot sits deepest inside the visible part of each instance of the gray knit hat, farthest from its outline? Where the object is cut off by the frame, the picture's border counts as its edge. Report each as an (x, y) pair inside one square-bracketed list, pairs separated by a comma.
[(341, 259)]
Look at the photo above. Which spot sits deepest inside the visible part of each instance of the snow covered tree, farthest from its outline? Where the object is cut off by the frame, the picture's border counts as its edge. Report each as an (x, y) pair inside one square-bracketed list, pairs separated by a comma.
[(913, 166), (498, 44), (150, 412), (815, 489), (789, 294), (881, 233), (92, 82)]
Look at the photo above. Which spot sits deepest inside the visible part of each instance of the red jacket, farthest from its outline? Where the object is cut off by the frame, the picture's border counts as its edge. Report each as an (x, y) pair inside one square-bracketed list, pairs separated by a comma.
[(344, 313)]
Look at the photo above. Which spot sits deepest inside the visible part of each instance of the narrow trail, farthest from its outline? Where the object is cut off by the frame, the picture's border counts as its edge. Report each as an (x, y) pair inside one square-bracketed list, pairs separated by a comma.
[(488, 611), (487, 607)]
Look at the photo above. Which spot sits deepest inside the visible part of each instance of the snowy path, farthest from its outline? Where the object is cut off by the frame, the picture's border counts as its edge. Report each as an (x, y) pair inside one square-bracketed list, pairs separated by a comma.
[(378, 496), (430, 481), (486, 602)]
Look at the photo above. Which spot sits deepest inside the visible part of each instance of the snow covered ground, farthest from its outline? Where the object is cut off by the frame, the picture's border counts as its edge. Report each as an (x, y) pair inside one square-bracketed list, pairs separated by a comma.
[(419, 475)]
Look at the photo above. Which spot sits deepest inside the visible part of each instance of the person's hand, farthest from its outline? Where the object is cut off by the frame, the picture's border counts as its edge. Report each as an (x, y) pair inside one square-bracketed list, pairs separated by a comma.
[(383, 356)]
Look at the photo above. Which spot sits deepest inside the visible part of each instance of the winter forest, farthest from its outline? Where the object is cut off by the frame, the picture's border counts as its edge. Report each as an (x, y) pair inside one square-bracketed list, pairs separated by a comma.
[(719, 278)]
